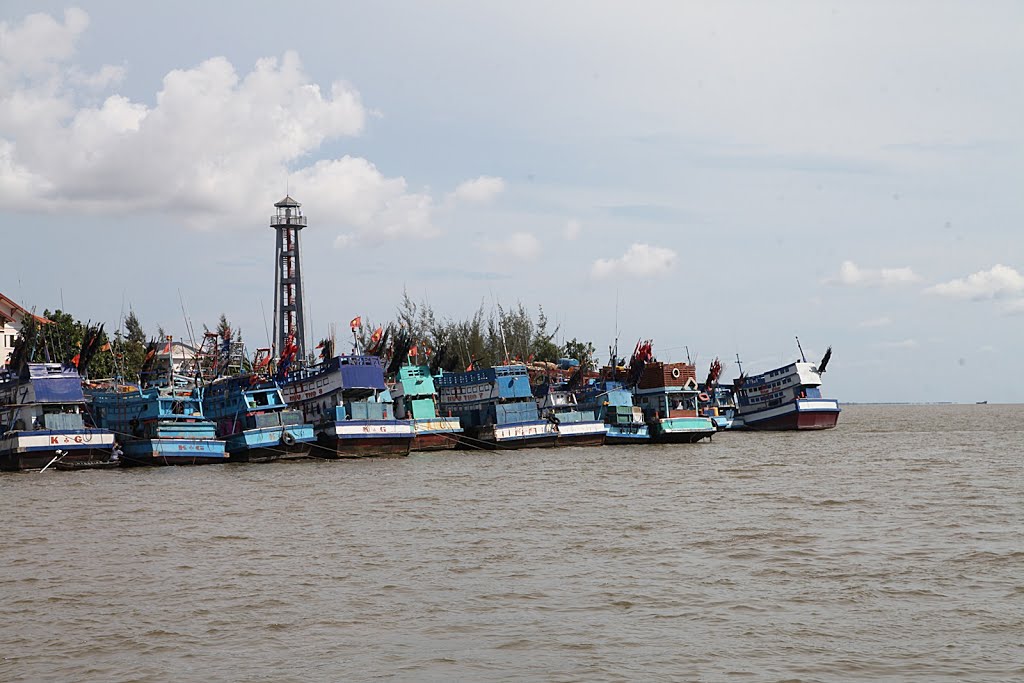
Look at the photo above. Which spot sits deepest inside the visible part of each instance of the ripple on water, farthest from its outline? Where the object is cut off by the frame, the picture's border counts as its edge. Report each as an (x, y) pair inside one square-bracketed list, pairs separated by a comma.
[(887, 549)]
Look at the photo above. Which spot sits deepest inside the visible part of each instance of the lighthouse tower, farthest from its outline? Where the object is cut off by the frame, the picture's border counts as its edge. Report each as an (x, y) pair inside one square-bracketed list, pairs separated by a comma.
[(288, 322)]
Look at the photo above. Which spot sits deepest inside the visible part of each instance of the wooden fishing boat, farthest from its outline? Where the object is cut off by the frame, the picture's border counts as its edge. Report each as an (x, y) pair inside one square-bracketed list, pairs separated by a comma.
[(786, 398), (43, 416), (496, 408), (351, 410), (415, 399), (255, 422)]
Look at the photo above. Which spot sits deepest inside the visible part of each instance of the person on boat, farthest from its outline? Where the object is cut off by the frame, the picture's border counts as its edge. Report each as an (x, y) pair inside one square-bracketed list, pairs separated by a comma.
[(116, 452)]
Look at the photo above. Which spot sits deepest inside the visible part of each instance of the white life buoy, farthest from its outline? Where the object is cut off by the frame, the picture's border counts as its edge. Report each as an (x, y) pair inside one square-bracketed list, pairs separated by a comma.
[(675, 373)]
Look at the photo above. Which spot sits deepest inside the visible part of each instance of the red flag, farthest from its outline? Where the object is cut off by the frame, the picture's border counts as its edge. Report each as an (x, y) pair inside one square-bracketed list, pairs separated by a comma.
[(74, 361), (413, 351), (469, 368), (356, 323), (375, 337), (167, 349), (105, 347)]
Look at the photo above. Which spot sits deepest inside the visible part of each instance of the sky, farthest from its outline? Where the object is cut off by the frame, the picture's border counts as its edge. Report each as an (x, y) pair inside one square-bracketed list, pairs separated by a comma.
[(720, 177)]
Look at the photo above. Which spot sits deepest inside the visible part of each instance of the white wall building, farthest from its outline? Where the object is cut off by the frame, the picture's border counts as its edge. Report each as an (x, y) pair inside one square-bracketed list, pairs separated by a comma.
[(10, 317)]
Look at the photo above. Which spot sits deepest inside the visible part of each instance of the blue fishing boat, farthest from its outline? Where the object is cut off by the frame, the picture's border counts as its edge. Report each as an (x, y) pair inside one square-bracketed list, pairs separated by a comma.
[(719, 404), (161, 420), (613, 405), (348, 403), (254, 421), (415, 398), (576, 425), (43, 416), (496, 407)]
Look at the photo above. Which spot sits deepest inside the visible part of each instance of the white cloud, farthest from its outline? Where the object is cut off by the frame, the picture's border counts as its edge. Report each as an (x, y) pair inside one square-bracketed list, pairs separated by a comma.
[(852, 275), (640, 260), (479, 190), (519, 245), (995, 283), (214, 145), (572, 229), (903, 344), (881, 321)]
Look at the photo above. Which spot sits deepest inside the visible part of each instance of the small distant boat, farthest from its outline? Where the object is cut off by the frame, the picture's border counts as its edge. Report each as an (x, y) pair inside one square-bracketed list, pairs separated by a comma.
[(496, 408), (982, 403), (350, 407), (786, 398), (254, 420), (415, 399), (42, 415)]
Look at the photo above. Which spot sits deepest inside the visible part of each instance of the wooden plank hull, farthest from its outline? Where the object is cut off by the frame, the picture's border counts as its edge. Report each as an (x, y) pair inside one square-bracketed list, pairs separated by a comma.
[(38, 459), (438, 441)]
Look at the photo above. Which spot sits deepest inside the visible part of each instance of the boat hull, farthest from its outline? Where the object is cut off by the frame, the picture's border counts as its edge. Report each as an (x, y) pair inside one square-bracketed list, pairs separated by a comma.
[(171, 451), (801, 415), (34, 450), (623, 435), (587, 433), (536, 434), (435, 434), (364, 439), (436, 441), (267, 444), (682, 429)]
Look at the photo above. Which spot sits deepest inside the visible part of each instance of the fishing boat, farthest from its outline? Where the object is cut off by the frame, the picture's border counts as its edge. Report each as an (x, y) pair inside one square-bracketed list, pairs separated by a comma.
[(161, 419), (415, 398), (668, 394), (786, 398), (576, 425), (613, 405), (719, 404), (496, 408), (43, 415), (255, 422), (348, 403)]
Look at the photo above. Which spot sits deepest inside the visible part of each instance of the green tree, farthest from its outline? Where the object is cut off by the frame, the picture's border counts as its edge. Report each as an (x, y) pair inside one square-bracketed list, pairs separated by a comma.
[(581, 351), (130, 348)]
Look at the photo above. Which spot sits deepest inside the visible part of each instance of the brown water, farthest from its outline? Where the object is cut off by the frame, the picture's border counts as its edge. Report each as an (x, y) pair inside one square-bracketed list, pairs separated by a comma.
[(890, 548)]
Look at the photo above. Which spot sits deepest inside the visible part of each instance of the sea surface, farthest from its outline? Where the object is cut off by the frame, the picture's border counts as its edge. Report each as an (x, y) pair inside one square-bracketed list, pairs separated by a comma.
[(888, 549)]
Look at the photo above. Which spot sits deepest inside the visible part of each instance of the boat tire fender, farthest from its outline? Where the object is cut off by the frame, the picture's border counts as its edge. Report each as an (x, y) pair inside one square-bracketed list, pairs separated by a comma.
[(675, 373), (287, 438)]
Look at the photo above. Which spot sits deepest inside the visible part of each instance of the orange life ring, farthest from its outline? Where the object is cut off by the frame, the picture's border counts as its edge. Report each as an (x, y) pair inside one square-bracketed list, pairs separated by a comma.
[(703, 397)]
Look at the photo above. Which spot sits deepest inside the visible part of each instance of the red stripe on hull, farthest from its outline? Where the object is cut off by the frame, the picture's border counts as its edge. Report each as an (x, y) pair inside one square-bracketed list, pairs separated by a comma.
[(798, 421)]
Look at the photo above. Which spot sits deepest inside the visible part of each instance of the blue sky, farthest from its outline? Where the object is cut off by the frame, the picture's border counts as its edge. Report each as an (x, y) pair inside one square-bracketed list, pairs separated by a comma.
[(734, 174)]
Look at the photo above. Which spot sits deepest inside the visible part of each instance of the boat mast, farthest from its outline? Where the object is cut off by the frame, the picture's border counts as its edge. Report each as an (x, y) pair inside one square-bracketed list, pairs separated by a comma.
[(801, 350)]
